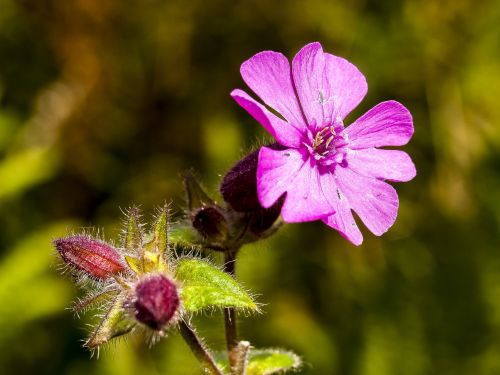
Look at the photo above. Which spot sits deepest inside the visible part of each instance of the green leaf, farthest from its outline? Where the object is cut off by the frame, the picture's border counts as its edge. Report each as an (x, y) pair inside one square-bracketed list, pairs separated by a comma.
[(161, 231), (133, 235), (265, 361), (204, 285), (115, 323), (196, 195), (160, 241), (271, 361)]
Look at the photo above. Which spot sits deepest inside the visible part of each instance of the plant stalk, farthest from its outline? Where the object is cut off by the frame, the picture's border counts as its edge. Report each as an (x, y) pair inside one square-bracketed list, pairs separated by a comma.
[(230, 314), (201, 353)]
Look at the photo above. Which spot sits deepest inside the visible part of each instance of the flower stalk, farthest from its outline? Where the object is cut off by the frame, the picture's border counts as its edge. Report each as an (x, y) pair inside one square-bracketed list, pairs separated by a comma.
[(200, 352), (230, 313)]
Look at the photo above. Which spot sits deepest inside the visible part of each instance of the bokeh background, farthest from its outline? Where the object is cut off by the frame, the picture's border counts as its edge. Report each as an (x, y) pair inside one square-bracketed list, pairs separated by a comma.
[(105, 103)]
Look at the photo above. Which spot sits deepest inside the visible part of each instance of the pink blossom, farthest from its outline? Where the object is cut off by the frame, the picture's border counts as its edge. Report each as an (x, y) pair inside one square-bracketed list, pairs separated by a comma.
[(326, 170)]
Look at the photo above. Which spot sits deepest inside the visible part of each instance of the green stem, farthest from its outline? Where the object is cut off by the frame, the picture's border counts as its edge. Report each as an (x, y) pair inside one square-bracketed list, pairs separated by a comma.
[(201, 353), (230, 314)]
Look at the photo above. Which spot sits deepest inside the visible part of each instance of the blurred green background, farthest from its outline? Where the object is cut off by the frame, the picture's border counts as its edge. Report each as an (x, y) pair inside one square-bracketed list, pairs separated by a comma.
[(104, 103)]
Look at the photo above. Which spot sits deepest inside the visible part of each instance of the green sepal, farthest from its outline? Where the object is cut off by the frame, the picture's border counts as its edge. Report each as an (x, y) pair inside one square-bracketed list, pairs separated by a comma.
[(272, 361), (155, 250), (206, 286), (92, 299), (115, 323), (265, 362), (196, 195), (135, 264), (133, 234)]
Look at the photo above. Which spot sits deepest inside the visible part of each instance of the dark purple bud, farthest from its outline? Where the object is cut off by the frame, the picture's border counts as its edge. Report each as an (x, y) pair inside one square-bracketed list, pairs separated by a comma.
[(156, 301), (210, 223), (263, 218), (96, 258), (239, 185)]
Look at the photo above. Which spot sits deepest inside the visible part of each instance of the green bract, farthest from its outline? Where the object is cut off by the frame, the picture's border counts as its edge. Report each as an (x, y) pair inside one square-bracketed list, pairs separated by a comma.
[(205, 286), (266, 362), (271, 361)]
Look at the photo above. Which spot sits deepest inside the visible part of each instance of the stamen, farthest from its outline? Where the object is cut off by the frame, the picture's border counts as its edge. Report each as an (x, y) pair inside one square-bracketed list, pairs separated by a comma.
[(329, 140)]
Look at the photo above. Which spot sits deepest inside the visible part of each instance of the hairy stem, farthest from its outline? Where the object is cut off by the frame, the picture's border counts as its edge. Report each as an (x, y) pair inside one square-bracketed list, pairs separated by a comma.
[(230, 314), (201, 353)]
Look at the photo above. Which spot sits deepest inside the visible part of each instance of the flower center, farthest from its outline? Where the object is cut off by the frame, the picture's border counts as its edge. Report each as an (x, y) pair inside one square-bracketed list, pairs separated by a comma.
[(328, 145)]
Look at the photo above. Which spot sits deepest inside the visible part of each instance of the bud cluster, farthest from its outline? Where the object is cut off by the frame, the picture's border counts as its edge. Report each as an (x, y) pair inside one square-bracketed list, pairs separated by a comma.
[(241, 219), (135, 281)]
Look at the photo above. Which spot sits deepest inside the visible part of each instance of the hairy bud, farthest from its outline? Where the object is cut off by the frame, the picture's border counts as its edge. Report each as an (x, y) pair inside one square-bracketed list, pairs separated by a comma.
[(264, 218), (210, 223), (95, 258), (156, 301), (239, 190), (239, 185)]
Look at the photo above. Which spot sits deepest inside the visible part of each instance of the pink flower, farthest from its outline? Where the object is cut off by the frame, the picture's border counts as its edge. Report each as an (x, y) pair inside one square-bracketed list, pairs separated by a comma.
[(325, 169)]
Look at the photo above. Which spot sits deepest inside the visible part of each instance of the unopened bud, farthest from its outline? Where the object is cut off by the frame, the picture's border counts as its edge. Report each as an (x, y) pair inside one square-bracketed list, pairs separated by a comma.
[(239, 185), (210, 223), (96, 258), (156, 301), (264, 218)]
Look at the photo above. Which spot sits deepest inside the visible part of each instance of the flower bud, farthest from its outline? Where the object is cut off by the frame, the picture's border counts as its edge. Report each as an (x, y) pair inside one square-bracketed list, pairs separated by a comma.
[(239, 185), (210, 223), (156, 301), (264, 218), (96, 258)]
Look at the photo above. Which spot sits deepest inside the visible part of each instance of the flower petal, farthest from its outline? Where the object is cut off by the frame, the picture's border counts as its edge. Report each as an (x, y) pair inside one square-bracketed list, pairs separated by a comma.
[(375, 201), (387, 124), (282, 131), (291, 171), (393, 165), (342, 220), (328, 86), (268, 75)]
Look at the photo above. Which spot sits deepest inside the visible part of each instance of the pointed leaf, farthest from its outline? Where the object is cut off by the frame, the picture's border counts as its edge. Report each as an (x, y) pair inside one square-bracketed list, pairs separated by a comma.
[(204, 285), (264, 361), (133, 235), (160, 232), (115, 323), (271, 361), (196, 195), (92, 300), (135, 264), (152, 261)]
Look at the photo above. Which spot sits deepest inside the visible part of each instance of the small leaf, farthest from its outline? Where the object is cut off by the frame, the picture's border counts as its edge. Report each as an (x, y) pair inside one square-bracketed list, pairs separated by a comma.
[(159, 241), (92, 299), (271, 361), (204, 285), (152, 261), (115, 323), (160, 231), (196, 195), (133, 235), (264, 361), (135, 264)]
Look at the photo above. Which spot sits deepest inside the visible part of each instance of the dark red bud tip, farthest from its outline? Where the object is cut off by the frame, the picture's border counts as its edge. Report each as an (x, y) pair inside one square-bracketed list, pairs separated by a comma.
[(156, 301), (97, 259), (210, 223)]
